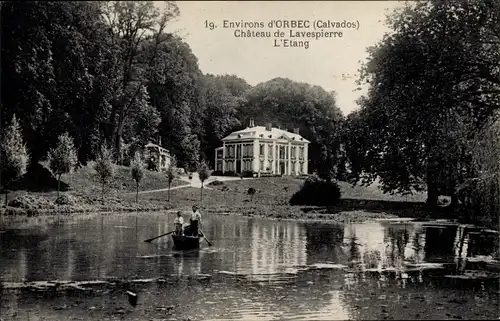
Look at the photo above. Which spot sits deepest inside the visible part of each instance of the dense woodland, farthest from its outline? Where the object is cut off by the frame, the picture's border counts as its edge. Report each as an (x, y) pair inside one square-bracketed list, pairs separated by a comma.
[(108, 73)]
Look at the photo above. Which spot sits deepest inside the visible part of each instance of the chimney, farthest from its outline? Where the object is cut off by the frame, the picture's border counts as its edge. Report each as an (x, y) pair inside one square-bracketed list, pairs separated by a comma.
[(296, 131), (252, 124), (269, 127)]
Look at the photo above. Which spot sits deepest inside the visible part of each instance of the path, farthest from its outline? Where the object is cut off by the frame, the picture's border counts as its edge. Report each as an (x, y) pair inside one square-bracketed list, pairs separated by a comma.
[(195, 182)]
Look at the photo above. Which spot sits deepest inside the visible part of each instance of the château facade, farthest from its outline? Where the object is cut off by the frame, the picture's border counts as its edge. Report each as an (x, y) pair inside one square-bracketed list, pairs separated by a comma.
[(263, 150)]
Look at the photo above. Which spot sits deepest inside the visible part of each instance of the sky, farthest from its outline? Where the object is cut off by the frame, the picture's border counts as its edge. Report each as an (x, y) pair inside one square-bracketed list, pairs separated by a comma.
[(331, 63)]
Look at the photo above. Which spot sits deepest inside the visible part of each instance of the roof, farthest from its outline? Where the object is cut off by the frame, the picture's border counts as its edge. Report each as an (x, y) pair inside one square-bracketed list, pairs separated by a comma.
[(164, 150), (257, 131)]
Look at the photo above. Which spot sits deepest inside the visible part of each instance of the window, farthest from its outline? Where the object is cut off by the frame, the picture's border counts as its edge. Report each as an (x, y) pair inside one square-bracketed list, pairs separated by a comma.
[(261, 165), (301, 152), (302, 167), (270, 150), (261, 150)]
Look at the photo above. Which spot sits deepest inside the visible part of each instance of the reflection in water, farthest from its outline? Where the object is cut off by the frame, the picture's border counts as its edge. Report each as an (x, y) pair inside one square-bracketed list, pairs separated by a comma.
[(275, 249), (329, 270)]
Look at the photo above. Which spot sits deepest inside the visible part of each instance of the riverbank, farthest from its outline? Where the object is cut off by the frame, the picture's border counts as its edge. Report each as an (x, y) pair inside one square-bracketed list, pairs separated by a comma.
[(270, 199)]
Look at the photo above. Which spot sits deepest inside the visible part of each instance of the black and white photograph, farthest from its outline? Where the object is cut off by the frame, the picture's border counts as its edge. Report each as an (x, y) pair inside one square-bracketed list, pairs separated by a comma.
[(249, 160)]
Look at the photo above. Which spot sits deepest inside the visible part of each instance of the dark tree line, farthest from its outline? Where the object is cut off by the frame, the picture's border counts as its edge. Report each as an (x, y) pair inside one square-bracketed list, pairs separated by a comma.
[(434, 91), (108, 73)]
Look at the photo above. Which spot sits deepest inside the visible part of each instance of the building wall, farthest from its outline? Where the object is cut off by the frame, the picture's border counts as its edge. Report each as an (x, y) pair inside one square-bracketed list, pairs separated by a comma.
[(263, 156)]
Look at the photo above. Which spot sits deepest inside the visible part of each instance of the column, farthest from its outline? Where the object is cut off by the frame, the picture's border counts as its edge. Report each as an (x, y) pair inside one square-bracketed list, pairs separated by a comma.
[(256, 156), (289, 169), (297, 166), (266, 151), (274, 157), (223, 157), (306, 158), (241, 158)]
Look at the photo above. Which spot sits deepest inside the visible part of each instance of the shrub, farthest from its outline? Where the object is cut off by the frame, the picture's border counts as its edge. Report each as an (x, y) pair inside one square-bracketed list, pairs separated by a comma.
[(316, 191), (247, 174), (216, 183)]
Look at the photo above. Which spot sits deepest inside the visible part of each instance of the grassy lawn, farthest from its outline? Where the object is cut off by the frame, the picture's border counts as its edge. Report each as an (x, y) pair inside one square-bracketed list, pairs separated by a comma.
[(271, 199), (85, 180), (84, 193)]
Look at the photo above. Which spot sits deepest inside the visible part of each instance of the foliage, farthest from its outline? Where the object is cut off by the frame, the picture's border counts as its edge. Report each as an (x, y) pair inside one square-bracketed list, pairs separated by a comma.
[(171, 174), (110, 70), (480, 194), (62, 159), (433, 82), (314, 111), (203, 173), (137, 172), (316, 191), (15, 157), (251, 191), (104, 166)]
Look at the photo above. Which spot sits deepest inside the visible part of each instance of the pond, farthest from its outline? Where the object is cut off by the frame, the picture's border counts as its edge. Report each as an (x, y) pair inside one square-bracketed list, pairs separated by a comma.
[(257, 269)]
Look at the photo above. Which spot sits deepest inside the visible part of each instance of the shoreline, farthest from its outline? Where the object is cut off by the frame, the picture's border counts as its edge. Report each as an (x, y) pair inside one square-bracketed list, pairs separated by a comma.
[(341, 214)]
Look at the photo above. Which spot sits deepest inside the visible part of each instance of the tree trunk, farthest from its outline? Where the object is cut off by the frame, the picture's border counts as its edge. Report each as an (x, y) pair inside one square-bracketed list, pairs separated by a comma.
[(6, 199), (168, 197), (58, 184), (201, 192), (118, 140), (137, 193), (432, 191), (102, 196)]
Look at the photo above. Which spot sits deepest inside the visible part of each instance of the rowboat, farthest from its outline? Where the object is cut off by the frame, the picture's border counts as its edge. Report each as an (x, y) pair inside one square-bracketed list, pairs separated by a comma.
[(185, 242)]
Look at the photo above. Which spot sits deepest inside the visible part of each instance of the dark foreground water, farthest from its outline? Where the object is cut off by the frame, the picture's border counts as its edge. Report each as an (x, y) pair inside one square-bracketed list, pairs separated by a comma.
[(256, 270)]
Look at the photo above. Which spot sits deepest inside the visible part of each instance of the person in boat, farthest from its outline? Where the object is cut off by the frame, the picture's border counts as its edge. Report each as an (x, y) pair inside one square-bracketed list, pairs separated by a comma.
[(195, 221), (179, 221)]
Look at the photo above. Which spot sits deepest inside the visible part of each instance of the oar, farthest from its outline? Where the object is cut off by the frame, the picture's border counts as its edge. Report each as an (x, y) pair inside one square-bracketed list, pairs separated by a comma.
[(205, 237), (154, 238)]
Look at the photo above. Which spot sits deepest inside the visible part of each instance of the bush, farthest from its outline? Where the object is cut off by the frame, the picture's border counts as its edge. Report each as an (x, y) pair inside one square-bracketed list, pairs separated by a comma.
[(247, 174), (317, 192), (216, 183), (65, 200)]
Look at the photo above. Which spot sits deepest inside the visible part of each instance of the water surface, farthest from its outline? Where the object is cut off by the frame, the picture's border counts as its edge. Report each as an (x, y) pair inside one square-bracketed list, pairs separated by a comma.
[(256, 269)]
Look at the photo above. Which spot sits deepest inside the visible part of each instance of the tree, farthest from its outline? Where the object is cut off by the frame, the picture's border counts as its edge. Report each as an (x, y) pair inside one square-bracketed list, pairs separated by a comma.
[(311, 109), (171, 174), (479, 195), (104, 167), (132, 24), (137, 172), (204, 174), (433, 82), (15, 157), (57, 72), (62, 159)]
